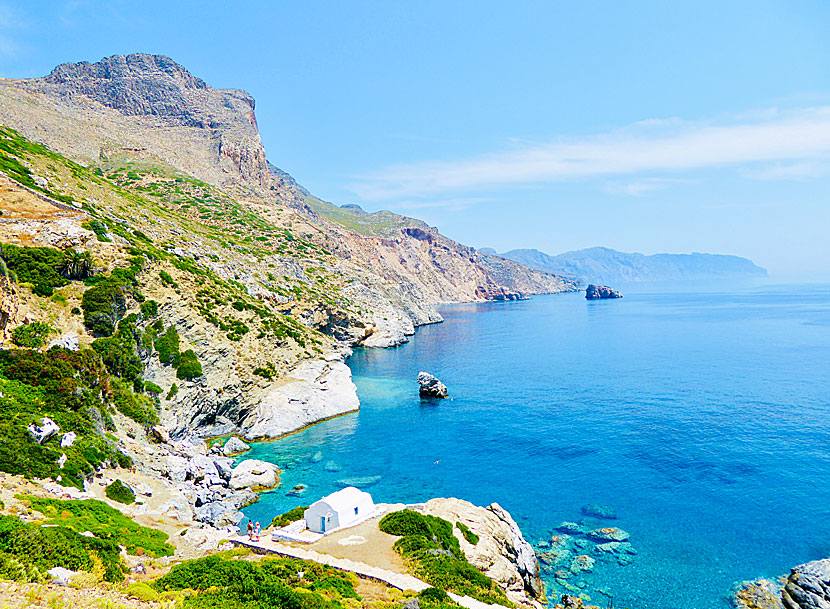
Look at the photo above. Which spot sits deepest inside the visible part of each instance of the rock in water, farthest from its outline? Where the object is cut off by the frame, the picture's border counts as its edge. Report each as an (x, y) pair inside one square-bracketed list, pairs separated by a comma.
[(808, 586), (599, 511), (234, 446), (256, 474), (431, 387), (597, 292)]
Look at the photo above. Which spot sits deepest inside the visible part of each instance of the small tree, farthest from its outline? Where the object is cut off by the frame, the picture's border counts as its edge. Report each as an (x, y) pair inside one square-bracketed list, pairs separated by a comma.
[(31, 336)]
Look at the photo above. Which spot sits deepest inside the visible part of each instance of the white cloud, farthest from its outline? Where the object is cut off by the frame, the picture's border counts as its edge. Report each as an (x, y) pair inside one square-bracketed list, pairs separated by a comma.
[(671, 145), (805, 170), (641, 187)]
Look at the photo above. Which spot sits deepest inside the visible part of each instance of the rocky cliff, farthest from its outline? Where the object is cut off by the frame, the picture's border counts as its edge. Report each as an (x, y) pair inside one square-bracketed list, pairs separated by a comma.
[(266, 285)]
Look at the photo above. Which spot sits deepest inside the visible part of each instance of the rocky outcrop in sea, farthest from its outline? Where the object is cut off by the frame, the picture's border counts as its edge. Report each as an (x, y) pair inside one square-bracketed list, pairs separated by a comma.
[(599, 292), (430, 387), (807, 587)]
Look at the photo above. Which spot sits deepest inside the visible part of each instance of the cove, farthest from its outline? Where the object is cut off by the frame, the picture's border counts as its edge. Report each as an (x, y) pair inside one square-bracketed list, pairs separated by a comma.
[(699, 417)]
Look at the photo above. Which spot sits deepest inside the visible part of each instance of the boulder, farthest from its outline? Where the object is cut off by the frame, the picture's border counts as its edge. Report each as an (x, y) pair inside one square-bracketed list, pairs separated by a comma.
[(224, 466), (201, 467), (60, 575), (431, 387), (759, 594), (598, 292), (47, 429), (159, 434), (808, 586), (254, 474), (67, 341), (218, 514), (234, 446), (68, 439)]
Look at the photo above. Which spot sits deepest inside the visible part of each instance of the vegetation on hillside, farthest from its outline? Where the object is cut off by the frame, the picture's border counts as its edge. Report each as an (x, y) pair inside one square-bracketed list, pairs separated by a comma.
[(219, 582), (120, 492), (290, 516), (434, 554)]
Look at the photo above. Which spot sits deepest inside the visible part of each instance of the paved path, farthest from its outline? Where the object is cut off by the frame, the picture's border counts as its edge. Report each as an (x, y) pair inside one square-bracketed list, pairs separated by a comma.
[(401, 581)]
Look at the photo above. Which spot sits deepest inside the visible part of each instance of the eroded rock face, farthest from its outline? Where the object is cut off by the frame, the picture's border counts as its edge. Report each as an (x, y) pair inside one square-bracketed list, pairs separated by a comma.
[(501, 552), (431, 387), (598, 292), (808, 586), (314, 391)]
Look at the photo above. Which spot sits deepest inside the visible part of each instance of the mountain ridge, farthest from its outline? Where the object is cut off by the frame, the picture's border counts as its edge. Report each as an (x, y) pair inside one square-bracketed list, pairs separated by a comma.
[(606, 265)]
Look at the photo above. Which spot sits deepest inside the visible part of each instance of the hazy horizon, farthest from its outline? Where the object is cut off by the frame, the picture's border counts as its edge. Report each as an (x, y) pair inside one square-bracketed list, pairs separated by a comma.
[(647, 128)]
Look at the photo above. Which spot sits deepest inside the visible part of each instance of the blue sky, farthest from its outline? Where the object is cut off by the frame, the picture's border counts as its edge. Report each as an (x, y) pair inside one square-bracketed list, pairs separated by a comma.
[(642, 126)]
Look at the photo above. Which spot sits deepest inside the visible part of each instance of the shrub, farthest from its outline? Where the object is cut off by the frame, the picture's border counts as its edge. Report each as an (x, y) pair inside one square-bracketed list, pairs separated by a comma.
[(36, 265), (149, 309), (151, 388), (471, 537), (119, 355), (290, 516), (433, 598), (104, 522), (120, 492), (166, 279), (189, 367), (138, 407), (99, 228), (32, 335), (174, 389), (76, 265), (143, 592), (167, 346), (104, 304)]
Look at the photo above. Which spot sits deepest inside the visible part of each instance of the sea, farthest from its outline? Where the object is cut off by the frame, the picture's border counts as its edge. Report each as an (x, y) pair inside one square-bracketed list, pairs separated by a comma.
[(697, 416)]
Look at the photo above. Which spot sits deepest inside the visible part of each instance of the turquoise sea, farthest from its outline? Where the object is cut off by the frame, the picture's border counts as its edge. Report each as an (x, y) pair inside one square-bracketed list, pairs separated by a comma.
[(701, 417)]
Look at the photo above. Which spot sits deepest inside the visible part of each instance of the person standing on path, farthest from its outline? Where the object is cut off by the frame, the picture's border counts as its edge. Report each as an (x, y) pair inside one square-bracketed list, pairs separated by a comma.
[(256, 532), (250, 531)]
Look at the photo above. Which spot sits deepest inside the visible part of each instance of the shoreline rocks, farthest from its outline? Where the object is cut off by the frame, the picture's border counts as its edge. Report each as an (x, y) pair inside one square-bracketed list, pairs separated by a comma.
[(599, 292), (431, 387)]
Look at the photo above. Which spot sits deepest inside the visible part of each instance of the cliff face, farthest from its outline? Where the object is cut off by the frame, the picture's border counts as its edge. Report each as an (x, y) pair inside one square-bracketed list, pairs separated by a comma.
[(268, 285)]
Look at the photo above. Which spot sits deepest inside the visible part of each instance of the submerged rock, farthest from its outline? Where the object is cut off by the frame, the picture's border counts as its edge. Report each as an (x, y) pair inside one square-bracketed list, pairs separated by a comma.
[(431, 387), (599, 511), (597, 292), (608, 534), (359, 481), (760, 594), (331, 466)]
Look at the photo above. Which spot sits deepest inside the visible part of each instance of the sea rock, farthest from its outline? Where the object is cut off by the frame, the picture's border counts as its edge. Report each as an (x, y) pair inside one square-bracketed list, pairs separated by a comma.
[(298, 490), (501, 553), (430, 387), (68, 439), (201, 467), (313, 391), (317, 457), (599, 511), (608, 534), (331, 466), (597, 292), (254, 474), (47, 429), (569, 527), (582, 563), (808, 586), (610, 547), (759, 594), (234, 446)]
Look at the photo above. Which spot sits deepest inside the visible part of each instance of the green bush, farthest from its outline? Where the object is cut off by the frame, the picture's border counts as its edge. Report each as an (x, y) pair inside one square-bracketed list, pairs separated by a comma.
[(167, 346), (38, 549), (433, 598), (32, 335), (218, 581), (166, 279), (105, 522), (151, 388), (189, 367), (290, 516), (471, 537), (119, 355), (174, 389), (99, 228), (76, 265), (149, 309), (138, 407), (104, 304), (39, 266), (120, 492), (143, 592)]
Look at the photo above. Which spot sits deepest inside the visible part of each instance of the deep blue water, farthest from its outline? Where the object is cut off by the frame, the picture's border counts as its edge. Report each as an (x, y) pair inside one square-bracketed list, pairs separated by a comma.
[(701, 418)]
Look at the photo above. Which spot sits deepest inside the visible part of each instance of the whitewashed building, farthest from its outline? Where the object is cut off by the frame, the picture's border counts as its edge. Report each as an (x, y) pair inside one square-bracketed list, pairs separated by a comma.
[(339, 509)]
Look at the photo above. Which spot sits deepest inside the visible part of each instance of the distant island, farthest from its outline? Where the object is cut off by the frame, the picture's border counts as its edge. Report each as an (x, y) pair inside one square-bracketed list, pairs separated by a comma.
[(603, 265)]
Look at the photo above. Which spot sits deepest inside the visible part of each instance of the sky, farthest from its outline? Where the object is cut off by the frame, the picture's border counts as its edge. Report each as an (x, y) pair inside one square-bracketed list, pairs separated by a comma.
[(641, 126)]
